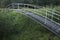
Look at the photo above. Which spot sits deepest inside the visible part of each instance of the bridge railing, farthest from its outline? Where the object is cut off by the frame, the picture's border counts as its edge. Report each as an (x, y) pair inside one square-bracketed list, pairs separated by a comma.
[(50, 14), (13, 5), (53, 15)]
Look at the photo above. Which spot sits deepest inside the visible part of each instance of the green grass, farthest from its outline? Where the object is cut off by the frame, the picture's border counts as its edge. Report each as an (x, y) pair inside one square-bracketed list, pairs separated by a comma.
[(15, 26)]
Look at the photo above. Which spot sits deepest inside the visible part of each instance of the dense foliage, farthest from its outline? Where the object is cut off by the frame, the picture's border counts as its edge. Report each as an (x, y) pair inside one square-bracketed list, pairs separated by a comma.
[(37, 2)]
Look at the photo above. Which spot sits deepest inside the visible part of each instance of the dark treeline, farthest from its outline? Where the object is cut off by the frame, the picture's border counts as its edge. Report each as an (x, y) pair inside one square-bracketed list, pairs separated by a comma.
[(4, 3)]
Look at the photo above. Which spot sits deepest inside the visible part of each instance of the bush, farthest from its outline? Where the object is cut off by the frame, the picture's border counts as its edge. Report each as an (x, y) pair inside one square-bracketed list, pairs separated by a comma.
[(10, 23)]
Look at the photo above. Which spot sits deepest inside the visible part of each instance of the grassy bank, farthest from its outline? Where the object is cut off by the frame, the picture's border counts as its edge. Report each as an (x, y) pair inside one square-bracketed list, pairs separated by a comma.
[(15, 26)]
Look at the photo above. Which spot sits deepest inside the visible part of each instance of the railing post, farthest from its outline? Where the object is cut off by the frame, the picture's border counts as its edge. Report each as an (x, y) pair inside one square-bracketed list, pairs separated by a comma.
[(52, 14), (24, 5), (27, 5), (13, 5), (46, 17), (18, 5)]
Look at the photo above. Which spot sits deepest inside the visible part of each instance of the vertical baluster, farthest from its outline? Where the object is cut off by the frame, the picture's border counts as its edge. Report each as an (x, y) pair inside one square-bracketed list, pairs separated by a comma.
[(46, 17), (18, 5)]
